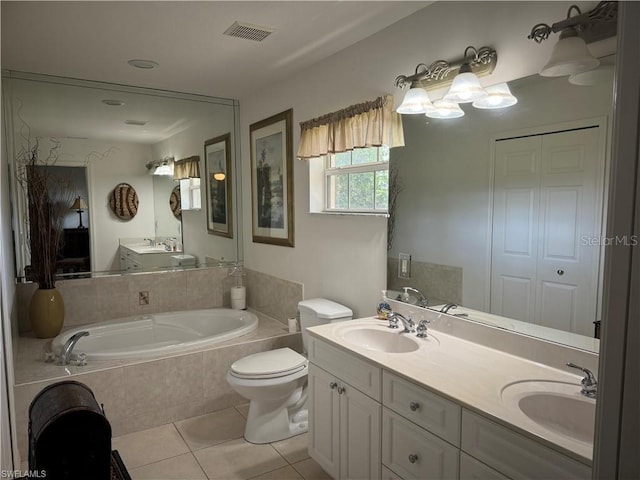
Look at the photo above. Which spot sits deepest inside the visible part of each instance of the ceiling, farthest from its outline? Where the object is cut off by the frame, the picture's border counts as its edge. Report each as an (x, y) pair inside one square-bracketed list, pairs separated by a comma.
[(94, 40)]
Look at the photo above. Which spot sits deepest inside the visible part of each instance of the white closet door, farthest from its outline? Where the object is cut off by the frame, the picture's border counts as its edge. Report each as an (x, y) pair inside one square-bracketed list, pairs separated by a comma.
[(515, 228), (546, 210), (568, 260)]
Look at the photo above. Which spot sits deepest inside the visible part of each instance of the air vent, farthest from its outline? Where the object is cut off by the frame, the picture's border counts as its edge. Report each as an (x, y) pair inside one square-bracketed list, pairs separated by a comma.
[(248, 31), (137, 123)]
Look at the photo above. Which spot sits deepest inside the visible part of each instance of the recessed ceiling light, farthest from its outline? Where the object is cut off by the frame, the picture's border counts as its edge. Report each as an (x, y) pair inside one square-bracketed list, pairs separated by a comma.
[(113, 103), (145, 64), (137, 123)]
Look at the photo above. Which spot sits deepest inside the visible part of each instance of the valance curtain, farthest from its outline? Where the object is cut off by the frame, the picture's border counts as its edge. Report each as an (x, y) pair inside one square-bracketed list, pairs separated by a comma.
[(369, 124), (187, 168)]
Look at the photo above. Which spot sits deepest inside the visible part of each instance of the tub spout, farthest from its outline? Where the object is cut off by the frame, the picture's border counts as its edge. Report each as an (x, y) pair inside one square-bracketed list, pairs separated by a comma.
[(65, 354)]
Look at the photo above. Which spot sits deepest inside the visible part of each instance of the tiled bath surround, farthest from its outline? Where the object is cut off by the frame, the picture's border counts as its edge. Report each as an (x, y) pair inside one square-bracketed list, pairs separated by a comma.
[(139, 394)]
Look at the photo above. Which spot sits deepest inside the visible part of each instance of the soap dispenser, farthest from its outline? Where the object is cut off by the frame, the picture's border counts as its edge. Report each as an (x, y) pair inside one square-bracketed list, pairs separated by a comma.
[(238, 290)]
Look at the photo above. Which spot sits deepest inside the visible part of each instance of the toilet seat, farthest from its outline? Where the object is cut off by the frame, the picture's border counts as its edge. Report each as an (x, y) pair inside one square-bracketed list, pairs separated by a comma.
[(281, 362)]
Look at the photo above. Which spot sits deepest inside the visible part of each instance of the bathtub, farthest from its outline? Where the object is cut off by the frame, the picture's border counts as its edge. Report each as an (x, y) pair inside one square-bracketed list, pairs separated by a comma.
[(158, 334)]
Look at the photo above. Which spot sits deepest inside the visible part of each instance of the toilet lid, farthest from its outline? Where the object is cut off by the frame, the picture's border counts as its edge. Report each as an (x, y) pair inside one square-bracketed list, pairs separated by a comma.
[(272, 362)]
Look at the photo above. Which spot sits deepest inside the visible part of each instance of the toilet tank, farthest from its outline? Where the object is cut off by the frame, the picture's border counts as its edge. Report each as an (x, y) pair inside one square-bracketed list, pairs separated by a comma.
[(318, 311)]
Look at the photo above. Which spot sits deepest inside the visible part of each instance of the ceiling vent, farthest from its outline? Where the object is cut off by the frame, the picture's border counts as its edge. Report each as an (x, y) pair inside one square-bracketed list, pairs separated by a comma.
[(249, 31)]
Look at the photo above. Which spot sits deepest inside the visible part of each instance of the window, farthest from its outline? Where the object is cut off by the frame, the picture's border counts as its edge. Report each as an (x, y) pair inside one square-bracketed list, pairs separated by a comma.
[(357, 180), (190, 196)]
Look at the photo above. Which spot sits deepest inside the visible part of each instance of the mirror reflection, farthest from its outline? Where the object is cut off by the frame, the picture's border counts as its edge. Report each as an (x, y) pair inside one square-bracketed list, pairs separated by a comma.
[(500, 213), (108, 134)]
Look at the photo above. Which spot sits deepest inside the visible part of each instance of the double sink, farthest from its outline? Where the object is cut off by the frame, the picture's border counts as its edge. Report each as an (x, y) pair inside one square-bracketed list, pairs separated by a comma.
[(555, 406)]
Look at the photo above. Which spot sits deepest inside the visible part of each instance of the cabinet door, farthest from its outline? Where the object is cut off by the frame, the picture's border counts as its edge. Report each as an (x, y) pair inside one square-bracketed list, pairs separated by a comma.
[(324, 416), (472, 469), (359, 435)]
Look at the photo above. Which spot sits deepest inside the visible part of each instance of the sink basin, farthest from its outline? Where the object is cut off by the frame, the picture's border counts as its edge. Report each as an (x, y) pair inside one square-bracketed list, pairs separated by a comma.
[(558, 407), (379, 338)]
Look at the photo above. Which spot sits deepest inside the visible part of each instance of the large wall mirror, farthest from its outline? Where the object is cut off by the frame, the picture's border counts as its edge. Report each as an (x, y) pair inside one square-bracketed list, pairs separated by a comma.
[(502, 211), (109, 135)]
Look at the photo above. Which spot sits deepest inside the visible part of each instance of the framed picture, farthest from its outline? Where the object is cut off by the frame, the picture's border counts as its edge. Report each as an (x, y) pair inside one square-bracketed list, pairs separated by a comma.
[(272, 180), (217, 172)]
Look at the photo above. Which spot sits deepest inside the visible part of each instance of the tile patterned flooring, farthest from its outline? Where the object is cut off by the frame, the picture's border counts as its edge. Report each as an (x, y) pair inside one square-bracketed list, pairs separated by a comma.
[(211, 447)]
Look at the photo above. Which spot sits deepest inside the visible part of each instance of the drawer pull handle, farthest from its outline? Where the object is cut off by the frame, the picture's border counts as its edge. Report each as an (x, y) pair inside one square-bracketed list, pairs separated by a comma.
[(414, 406), (413, 458), (341, 390), (333, 385)]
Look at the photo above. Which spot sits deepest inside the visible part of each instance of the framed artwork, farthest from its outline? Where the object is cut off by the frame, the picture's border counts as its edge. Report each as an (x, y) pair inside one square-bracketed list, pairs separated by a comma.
[(217, 173), (272, 180)]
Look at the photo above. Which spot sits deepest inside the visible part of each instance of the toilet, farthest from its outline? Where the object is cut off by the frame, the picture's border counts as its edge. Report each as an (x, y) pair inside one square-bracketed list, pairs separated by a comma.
[(275, 381)]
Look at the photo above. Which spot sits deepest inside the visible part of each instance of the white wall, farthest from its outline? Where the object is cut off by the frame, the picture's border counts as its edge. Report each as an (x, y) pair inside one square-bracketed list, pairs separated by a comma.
[(344, 258), (444, 211), (197, 240)]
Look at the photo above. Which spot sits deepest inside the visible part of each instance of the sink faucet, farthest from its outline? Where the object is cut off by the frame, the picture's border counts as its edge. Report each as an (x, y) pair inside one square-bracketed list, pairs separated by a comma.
[(65, 354), (407, 323), (589, 382), (152, 242), (422, 299), (422, 328), (447, 307)]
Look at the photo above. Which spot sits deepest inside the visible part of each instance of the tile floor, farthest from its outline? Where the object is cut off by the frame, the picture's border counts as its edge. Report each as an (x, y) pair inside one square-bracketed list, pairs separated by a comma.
[(211, 447)]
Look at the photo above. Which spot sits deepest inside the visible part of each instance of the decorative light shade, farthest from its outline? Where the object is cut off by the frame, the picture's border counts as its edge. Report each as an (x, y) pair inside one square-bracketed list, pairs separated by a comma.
[(570, 55), (219, 176), (465, 87), (79, 204), (445, 109), (498, 96), (597, 76), (164, 169), (416, 100)]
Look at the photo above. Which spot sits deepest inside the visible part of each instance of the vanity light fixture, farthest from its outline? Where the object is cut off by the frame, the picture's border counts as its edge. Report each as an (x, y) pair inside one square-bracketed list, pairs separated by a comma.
[(461, 74), (161, 167), (571, 55)]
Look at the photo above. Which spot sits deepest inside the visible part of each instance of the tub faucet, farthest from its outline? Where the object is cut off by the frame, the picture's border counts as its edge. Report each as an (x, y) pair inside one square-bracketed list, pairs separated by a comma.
[(589, 382), (409, 325), (65, 354), (422, 299)]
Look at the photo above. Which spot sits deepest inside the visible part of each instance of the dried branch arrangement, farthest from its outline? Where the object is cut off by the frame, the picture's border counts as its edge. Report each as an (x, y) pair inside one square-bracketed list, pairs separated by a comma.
[(48, 199)]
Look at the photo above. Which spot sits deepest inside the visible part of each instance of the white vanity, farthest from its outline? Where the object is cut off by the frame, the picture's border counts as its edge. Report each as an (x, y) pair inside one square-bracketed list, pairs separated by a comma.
[(138, 255), (388, 405)]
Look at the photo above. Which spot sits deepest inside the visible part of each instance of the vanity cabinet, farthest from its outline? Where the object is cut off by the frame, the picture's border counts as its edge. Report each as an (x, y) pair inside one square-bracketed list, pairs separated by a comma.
[(368, 422), (131, 261), (344, 413)]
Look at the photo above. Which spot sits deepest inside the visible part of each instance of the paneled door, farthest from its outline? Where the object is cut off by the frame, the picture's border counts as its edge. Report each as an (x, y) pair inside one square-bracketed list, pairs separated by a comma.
[(546, 229)]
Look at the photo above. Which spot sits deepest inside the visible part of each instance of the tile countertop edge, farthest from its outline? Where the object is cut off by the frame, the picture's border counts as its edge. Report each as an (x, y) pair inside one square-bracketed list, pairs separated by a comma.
[(491, 407)]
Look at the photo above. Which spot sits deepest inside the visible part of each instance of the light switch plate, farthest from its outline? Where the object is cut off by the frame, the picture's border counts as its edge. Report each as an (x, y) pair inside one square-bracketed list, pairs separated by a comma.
[(404, 265)]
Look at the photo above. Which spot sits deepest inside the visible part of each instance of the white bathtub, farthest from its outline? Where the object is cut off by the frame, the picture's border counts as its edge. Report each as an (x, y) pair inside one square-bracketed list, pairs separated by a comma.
[(158, 334)]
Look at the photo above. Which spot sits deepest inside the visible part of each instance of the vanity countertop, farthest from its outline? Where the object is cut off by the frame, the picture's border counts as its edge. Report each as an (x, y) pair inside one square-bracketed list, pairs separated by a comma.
[(469, 374)]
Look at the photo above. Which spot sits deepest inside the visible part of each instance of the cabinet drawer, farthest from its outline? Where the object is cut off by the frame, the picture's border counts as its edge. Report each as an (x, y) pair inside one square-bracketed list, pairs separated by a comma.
[(430, 411), (472, 469), (358, 373), (514, 454), (412, 452)]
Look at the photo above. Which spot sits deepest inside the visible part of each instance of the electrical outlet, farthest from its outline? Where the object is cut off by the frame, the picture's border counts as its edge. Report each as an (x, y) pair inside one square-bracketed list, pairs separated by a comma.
[(404, 265), (143, 298)]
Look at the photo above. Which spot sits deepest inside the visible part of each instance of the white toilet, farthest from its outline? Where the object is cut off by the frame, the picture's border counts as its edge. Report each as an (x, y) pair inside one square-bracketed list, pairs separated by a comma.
[(276, 381)]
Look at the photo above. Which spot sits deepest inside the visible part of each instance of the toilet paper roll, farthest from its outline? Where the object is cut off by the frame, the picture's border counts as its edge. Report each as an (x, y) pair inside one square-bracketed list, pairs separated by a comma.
[(238, 298), (293, 324)]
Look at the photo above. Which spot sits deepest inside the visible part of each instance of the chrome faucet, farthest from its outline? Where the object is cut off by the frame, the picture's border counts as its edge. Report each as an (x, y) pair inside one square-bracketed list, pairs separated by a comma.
[(589, 382), (422, 299), (152, 242), (422, 328), (65, 354), (447, 307), (407, 323)]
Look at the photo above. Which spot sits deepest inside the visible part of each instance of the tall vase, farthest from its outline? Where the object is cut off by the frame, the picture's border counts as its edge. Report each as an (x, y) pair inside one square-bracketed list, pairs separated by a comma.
[(46, 312)]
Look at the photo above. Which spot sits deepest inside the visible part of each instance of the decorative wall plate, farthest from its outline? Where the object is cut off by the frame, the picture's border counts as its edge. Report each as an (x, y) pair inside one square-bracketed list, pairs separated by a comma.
[(123, 201), (175, 203)]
